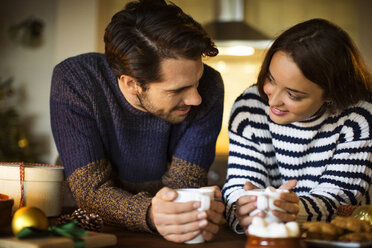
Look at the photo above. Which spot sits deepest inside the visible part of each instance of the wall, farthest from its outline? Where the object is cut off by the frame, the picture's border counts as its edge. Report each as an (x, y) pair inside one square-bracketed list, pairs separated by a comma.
[(30, 67), (73, 27), (70, 29)]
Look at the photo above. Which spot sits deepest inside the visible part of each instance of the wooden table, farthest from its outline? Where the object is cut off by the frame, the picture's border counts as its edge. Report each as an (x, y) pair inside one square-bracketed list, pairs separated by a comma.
[(225, 239)]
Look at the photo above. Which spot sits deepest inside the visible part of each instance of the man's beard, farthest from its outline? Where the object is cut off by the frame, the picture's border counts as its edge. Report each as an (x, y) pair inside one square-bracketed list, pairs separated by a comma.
[(160, 113)]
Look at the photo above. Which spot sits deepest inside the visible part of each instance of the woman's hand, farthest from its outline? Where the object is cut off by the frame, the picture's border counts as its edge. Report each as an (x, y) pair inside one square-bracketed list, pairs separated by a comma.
[(245, 205), (288, 202)]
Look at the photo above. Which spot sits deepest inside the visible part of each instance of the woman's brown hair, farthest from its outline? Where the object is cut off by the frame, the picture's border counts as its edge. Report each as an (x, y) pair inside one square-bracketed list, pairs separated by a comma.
[(327, 56)]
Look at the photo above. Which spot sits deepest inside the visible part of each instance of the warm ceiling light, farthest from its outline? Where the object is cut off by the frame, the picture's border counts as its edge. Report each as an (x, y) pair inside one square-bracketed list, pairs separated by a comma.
[(240, 47), (236, 51)]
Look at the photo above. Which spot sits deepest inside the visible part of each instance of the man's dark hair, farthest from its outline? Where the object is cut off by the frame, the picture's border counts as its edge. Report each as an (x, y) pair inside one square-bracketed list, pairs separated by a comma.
[(145, 32), (327, 56)]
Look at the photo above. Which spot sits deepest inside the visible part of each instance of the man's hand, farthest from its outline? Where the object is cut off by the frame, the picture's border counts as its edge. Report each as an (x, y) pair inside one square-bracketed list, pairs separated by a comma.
[(179, 222), (214, 215)]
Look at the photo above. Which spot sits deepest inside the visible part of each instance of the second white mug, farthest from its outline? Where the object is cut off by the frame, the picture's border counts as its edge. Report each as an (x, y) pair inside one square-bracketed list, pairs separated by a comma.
[(265, 202)]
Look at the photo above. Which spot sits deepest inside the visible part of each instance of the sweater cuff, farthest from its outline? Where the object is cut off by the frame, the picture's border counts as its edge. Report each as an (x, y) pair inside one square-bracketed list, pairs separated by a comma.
[(302, 214), (150, 224)]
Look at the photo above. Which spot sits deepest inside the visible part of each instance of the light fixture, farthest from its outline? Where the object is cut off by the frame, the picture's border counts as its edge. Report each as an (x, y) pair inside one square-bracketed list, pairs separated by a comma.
[(231, 34)]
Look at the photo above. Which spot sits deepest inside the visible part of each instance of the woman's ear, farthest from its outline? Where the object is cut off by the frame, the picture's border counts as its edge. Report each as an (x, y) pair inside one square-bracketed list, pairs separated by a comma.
[(129, 84)]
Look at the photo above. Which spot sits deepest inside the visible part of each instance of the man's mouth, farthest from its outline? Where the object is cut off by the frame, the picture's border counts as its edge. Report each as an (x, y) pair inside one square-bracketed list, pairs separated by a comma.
[(183, 110)]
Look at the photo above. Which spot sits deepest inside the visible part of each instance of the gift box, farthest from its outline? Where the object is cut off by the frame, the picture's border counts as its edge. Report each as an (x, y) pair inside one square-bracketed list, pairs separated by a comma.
[(30, 184)]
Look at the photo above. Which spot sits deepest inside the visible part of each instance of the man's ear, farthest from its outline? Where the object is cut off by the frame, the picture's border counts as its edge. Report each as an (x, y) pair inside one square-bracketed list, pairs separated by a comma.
[(129, 84)]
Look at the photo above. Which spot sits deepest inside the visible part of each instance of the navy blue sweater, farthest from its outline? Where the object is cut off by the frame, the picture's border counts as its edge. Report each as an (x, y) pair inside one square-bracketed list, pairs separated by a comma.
[(96, 129)]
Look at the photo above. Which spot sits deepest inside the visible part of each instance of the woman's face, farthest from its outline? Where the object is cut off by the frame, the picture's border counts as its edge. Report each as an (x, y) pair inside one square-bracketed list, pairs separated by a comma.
[(292, 97)]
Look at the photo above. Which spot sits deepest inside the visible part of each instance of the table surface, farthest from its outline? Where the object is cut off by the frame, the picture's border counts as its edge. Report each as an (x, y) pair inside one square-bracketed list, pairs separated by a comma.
[(225, 239)]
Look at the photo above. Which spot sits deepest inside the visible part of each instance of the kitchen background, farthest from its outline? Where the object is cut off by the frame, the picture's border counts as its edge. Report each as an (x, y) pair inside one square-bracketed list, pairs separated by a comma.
[(35, 35)]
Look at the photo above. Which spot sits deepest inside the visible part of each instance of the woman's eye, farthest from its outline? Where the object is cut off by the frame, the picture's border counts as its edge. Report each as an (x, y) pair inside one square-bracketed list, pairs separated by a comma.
[(293, 96), (270, 79)]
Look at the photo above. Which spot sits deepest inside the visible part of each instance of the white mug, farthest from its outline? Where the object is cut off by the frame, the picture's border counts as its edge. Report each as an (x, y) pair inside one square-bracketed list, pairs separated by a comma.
[(265, 202), (196, 194)]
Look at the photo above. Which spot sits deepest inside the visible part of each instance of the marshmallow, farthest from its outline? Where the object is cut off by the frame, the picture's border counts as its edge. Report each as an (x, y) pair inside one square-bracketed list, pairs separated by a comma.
[(261, 228), (270, 189)]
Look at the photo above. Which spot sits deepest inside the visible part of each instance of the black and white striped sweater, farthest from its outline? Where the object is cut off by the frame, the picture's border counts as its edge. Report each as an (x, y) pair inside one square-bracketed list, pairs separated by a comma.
[(330, 156)]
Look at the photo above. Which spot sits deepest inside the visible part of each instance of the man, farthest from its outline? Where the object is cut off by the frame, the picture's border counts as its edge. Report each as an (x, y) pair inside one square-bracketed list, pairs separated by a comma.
[(140, 121)]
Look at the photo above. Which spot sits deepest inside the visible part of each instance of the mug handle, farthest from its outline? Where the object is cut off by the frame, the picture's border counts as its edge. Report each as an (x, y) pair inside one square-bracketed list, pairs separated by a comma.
[(262, 202), (205, 202)]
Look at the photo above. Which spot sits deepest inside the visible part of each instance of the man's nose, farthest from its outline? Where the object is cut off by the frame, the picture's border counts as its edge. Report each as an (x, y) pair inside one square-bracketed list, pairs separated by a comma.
[(192, 97)]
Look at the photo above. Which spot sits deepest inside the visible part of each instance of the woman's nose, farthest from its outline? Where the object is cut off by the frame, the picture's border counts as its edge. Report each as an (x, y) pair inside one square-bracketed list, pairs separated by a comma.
[(275, 98)]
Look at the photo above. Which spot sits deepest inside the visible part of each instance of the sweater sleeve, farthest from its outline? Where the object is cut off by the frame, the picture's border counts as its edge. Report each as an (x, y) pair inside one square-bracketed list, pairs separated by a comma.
[(347, 176), (80, 147), (94, 190)]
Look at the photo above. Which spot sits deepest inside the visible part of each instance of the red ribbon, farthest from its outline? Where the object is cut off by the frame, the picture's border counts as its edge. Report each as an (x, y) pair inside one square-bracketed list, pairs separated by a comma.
[(22, 180)]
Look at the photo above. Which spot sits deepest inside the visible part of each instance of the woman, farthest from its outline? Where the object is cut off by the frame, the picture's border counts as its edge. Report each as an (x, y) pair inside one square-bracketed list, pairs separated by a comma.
[(305, 126)]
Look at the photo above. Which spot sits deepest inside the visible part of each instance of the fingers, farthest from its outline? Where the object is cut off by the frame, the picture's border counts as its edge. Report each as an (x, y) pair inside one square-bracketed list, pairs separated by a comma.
[(215, 212), (177, 233), (243, 200), (245, 221), (288, 202), (210, 232), (289, 197), (289, 185), (188, 227), (166, 194), (217, 191), (248, 186), (179, 222), (285, 216), (163, 203), (245, 205)]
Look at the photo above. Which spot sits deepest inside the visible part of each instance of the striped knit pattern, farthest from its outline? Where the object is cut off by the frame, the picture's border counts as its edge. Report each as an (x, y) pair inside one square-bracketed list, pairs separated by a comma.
[(99, 134), (330, 156)]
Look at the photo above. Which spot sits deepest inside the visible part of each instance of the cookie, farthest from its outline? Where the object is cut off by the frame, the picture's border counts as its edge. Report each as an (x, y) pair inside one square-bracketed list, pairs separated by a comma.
[(356, 237), (324, 228), (351, 224), (321, 236)]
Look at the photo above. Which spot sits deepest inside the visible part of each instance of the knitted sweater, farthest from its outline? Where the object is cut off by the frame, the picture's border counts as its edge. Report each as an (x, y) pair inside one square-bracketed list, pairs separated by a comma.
[(117, 157), (329, 155)]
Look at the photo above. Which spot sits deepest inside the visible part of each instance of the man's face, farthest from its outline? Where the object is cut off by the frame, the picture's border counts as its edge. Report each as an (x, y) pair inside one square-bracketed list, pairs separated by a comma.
[(172, 98)]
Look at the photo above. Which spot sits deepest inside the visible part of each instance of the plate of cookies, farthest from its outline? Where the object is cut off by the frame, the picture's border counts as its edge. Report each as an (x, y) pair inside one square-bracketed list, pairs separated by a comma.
[(340, 232)]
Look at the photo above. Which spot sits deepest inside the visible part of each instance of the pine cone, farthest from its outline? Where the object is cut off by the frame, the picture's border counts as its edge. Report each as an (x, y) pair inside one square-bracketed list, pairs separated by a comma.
[(92, 222), (63, 219), (78, 214), (89, 222)]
